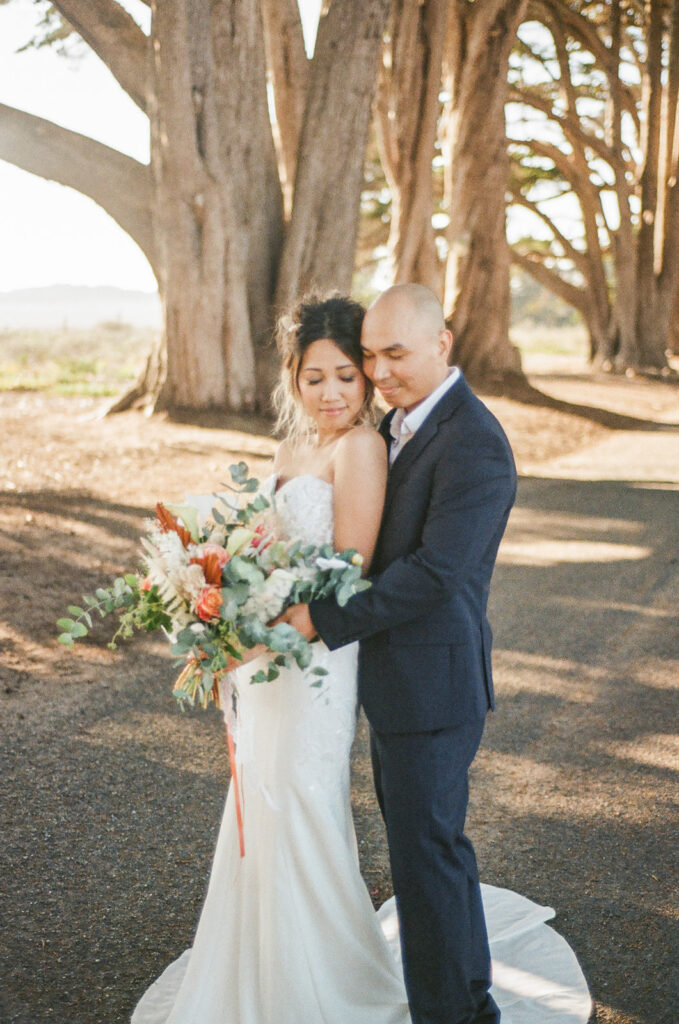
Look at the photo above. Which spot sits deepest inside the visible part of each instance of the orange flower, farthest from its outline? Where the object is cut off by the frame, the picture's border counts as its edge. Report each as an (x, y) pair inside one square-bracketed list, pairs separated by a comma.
[(211, 566), (168, 522), (146, 583), (209, 603)]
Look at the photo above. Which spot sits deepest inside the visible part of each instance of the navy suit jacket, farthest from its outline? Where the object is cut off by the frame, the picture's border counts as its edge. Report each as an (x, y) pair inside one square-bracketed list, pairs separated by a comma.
[(424, 657)]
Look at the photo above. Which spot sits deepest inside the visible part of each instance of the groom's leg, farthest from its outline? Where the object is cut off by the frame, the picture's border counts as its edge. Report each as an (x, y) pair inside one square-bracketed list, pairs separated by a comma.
[(377, 769), (421, 779)]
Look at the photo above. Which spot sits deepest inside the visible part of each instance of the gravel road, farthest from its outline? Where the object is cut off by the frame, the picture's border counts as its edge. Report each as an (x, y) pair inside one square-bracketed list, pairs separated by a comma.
[(111, 801)]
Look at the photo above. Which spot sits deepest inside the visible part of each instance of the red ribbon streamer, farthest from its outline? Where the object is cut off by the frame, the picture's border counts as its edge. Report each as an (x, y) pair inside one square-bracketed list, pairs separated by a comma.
[(234, 783)]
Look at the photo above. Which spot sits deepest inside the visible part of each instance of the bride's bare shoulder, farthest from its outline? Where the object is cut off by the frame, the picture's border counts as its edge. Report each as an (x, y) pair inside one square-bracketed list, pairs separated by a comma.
[(362, 441)]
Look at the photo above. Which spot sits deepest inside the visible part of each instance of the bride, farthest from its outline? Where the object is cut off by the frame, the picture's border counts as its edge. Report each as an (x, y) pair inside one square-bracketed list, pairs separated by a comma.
[(288, 934)]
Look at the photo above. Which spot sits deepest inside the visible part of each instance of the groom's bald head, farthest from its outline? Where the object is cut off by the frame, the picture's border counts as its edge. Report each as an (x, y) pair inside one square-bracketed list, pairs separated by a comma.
[(414, 302), (406, 344)]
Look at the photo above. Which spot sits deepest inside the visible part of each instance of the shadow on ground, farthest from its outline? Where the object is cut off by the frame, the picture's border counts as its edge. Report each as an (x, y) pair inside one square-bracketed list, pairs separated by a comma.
[(116, 797)]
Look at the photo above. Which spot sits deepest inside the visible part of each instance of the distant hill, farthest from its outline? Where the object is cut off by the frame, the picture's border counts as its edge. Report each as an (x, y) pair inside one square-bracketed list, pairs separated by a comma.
[(61, 305)]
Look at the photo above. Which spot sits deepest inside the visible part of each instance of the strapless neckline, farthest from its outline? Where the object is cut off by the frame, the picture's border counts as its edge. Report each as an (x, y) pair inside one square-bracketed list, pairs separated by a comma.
[(277, 484)]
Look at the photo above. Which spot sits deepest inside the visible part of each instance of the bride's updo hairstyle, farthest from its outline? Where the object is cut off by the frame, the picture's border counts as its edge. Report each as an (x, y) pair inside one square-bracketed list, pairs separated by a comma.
[(333, 317)]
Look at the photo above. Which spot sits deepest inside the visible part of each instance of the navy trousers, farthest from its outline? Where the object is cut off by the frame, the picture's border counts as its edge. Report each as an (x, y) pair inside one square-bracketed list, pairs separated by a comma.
[(421, 780)]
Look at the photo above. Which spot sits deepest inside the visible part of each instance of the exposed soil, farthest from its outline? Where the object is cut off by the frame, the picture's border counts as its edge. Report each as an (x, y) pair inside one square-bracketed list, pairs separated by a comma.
[(112, 798)]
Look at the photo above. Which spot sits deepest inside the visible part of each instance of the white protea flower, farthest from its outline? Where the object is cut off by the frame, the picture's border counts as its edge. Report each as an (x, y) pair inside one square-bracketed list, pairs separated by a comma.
[(269, 600), (167, 563), (165, 550), (190, 581)]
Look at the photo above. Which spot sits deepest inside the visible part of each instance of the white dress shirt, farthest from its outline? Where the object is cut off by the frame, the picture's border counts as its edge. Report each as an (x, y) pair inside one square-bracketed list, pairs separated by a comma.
[(403, 425)]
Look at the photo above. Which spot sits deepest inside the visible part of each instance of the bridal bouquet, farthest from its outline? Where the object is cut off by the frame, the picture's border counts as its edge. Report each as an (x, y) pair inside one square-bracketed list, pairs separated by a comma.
[(214, 573)]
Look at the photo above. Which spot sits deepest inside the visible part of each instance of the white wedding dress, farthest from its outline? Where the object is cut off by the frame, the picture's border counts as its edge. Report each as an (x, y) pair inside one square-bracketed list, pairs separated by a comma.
[(288, 934)]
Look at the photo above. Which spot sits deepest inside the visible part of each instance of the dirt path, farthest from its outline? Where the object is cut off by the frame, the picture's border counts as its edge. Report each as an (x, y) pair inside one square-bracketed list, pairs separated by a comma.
[(112, 800), (576, 786)]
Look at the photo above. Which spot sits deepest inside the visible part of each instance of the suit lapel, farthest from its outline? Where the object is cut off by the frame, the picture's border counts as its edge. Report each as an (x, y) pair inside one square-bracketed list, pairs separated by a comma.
[(384, 430), (441, 412)]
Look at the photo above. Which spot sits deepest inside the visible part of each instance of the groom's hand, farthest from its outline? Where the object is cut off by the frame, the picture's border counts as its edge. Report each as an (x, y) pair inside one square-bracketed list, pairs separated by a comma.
[(298, 616)]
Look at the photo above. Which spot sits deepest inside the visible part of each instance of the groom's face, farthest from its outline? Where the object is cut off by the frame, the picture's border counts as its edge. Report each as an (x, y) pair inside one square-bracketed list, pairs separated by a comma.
[(406, 358)]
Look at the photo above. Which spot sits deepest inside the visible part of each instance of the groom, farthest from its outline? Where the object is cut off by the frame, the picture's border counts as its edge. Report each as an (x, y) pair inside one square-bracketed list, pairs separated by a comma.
[(424, 658)]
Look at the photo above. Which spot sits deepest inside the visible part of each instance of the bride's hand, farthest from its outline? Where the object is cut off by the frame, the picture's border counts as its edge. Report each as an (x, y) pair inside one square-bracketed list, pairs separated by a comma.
[(248, 655), (298, 616)]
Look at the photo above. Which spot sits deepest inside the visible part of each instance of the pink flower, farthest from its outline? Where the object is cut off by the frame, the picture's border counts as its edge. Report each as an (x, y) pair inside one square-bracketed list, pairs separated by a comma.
[(146, 583), (221, 553), (209, 602), (260, 534)]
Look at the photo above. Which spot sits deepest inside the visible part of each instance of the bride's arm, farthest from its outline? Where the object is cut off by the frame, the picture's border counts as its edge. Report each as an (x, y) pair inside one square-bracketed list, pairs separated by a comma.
[(247, 655), (360, 481)]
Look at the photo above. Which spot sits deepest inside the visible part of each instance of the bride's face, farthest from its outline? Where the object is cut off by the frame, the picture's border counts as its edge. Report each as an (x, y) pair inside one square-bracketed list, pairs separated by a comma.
[(331, 387)]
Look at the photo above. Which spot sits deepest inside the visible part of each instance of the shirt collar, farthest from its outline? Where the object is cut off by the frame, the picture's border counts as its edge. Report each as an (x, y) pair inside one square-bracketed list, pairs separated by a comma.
[(404, 424)]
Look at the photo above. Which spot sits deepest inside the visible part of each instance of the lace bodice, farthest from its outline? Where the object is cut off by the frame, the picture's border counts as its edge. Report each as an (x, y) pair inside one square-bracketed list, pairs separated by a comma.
[(304, 507), (320, 720)]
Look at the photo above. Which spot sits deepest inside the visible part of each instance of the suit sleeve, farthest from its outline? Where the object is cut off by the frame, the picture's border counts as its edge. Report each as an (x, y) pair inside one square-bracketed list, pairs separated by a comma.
[(465, 513)]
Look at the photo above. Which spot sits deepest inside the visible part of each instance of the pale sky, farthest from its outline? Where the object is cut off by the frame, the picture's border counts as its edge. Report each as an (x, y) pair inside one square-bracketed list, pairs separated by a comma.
[(50, 234)]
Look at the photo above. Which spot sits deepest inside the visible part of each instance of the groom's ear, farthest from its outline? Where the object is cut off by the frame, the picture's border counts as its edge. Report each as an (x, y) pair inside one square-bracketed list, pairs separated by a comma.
[(445, 343)]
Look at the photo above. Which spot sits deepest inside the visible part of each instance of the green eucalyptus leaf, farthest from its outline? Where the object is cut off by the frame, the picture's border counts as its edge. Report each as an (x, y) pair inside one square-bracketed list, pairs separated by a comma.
[(65, 624), (78, 629), (239, 472), (253, 632), (186, 636), (242, 569), (66, 639), (303, 656), (282, 637)]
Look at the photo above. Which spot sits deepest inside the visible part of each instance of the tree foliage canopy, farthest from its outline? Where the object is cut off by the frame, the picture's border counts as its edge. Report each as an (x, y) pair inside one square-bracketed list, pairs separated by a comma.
[(433, 118)]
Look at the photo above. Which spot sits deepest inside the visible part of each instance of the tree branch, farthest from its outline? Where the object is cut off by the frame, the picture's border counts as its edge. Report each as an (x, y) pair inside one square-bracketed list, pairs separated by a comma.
[(580, 28), (550, 279), (569, 125), (289, 71), (579, 258), (118, 183), (116, 38)]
